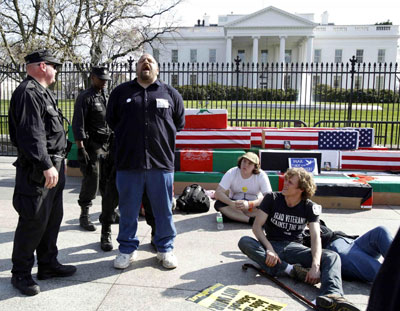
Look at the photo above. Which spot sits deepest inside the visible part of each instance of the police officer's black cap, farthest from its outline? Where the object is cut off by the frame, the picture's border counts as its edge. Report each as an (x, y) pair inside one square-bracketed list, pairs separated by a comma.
[(101, 72), (42, 56)]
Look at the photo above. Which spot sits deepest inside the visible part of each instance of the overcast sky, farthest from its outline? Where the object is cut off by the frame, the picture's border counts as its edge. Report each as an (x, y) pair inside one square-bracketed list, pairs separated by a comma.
[(341, 12)]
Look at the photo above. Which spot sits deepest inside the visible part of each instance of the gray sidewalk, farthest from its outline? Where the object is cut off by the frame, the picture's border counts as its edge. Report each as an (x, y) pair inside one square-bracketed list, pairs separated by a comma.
[(206, 256)]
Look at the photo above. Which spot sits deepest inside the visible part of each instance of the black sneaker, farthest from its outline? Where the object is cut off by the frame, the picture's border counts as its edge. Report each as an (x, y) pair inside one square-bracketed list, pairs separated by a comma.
[(335, 303), (45, 273), (25, 284), (299, 273)]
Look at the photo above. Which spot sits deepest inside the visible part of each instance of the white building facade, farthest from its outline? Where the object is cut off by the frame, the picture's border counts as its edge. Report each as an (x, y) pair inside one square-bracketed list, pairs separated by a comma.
[(272, 35)]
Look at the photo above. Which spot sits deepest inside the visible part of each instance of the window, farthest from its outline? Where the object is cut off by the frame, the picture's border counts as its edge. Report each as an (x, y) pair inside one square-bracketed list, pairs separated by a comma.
[(242, 55), (338, 56), (337, 82), (156, 55), (174, 56), (174, 80), (212, 55), (360, 56), (287, 81), (381, 55), (358, 82), (288, 56), (317, 56), (316, 80), (193, 55), (193, 79), (379, 82), (212, 78), (264, 56)]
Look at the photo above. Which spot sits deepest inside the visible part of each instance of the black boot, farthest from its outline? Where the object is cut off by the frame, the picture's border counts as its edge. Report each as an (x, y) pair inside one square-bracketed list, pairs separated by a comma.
[(106, 240), (84, 220)]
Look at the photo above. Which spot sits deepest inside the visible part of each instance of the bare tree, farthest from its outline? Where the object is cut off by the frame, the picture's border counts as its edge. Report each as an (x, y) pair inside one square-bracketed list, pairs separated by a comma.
[(92, 31)]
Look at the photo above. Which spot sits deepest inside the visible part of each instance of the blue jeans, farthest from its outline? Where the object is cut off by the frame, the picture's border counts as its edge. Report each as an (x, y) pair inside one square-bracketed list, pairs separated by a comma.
[(292, 253), (360, 256), (158, 185)]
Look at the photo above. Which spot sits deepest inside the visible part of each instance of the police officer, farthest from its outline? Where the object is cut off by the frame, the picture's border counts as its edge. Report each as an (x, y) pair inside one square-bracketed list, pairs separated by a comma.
[(92, 137), (36, 129)]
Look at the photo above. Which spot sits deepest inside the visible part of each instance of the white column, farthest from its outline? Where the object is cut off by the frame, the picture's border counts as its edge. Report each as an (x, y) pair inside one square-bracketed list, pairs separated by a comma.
[(282, 46), (255, 60), (228, 56), (310, 47), (255, 50), (282, 49)]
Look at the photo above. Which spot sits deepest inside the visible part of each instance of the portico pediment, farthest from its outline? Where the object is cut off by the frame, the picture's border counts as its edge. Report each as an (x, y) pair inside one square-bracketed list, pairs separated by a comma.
[(270, 17)]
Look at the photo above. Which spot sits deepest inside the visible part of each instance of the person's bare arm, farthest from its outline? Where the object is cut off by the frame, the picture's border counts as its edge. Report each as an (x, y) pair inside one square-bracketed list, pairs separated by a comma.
[(314, 275), (272, 258)]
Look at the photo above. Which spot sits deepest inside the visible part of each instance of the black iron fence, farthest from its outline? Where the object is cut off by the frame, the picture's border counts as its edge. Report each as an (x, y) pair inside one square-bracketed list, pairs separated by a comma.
[(276, 95)]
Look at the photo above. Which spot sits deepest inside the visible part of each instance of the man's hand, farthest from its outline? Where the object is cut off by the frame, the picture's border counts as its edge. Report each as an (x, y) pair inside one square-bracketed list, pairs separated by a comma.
[(272, 259), (83, 156), (51, 176), (313, 276), (242, 205)]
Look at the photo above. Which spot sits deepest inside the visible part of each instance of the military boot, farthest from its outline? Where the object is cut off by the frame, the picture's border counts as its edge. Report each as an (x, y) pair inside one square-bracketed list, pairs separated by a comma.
[(106, 240), (84, 220)]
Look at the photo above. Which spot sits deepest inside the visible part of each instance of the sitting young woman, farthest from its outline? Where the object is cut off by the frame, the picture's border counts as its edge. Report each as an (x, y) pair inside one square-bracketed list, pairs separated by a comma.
[(242, 189)]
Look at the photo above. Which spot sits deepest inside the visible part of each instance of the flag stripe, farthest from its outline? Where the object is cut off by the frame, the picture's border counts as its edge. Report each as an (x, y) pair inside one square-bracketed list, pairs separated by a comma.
[(370, 158)]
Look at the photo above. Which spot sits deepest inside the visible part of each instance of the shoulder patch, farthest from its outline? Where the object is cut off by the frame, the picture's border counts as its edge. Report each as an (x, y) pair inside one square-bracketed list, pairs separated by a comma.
[(317, 209)]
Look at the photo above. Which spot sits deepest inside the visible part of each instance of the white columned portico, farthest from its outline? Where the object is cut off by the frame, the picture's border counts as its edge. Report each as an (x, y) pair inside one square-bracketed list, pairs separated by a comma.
[(255, 59), (228, 55)]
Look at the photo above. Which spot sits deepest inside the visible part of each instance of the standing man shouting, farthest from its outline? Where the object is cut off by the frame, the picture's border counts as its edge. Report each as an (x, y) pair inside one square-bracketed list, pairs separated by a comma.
[(145, 115), (92, 136), (36, 129)]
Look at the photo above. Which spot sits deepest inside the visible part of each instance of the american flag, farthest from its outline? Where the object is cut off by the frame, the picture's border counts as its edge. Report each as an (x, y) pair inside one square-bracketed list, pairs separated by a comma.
[(366, 138), (220, 138), (338, 140), (311, 139), (370, 160)]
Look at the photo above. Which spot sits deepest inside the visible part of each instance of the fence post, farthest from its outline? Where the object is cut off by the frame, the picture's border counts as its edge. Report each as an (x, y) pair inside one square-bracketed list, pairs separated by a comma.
[(353, 62), (237, 70), (130, 62)]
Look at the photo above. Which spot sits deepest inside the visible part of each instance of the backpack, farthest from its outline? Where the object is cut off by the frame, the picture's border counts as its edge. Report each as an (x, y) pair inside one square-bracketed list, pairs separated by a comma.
[(193, 200), (327, 235)]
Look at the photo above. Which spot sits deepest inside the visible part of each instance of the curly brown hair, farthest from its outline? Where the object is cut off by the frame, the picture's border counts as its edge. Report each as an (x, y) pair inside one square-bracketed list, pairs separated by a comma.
[(306, 181)]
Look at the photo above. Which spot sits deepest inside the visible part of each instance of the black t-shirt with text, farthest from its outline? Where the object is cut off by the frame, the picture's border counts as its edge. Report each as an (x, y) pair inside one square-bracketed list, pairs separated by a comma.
[(286, 223)]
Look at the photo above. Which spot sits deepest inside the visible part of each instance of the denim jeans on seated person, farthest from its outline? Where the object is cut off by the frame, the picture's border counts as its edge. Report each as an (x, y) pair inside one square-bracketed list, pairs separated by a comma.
[(158, 184), (292, 252), (360, 257)]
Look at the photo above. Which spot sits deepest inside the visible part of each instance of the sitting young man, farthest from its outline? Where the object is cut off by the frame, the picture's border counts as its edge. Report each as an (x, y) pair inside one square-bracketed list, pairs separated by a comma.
[(283, 216)]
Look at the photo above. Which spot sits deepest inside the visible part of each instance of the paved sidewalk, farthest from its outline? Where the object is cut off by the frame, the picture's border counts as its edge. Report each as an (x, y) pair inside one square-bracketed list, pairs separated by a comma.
[(206, 256)]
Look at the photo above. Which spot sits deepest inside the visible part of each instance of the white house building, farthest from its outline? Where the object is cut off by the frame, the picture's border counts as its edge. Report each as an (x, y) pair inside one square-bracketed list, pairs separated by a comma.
[(275, 36)]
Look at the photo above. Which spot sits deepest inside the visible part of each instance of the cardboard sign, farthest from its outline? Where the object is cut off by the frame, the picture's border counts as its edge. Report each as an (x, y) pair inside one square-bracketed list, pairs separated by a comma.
[(309, 164), (221, 297)]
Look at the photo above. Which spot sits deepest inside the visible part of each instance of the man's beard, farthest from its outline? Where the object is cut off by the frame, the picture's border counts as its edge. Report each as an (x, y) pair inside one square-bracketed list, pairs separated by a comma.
[(146, 76)]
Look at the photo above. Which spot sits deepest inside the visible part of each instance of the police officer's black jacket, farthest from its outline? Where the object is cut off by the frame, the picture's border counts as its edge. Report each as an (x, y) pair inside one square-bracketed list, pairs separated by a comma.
[(90, 115), (145, 122), (36, 124)]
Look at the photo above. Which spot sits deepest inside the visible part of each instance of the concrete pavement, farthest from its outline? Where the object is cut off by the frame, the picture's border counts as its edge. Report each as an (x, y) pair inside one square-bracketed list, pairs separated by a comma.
[(206, 256)]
